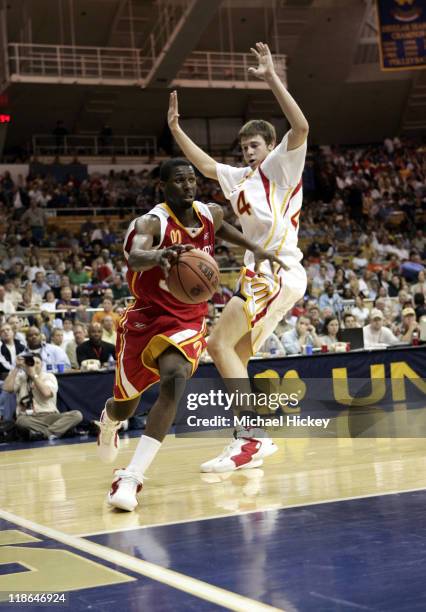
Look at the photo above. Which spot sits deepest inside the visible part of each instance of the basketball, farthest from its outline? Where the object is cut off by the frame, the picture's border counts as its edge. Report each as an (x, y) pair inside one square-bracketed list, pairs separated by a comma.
[(194, 278)]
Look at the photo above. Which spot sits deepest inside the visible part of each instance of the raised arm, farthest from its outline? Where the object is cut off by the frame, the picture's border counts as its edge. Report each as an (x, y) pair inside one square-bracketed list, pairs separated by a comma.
[(203, 162), (142, 256), (266, 71)]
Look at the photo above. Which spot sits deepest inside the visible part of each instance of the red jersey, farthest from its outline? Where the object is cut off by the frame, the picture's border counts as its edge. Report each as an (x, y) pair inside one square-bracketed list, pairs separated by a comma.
[(149, 287)]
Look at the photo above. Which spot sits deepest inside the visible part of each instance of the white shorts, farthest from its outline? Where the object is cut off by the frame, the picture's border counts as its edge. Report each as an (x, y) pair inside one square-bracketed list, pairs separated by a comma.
[(267, 299)]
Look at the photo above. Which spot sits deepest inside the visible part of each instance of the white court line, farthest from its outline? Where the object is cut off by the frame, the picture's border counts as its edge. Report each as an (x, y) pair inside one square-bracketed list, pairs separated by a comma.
[(182, 582), (257, 511)]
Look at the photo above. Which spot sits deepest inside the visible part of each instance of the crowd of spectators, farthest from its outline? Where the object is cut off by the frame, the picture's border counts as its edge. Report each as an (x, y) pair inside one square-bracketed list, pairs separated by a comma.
[(63, 291)]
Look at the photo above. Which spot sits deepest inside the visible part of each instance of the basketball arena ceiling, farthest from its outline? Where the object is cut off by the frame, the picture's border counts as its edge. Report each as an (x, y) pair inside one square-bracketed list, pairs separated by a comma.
[(332, 59)]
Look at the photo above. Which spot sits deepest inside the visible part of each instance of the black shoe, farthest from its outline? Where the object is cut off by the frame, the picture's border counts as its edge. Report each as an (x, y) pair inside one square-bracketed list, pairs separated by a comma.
[(35, 436)]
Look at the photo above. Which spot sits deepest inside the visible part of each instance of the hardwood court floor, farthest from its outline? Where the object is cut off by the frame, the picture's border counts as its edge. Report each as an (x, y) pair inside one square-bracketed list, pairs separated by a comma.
[(64, 486)]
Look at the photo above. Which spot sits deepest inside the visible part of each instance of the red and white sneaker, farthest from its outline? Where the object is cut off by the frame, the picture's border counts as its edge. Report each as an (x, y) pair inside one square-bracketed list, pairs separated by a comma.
[(124, 489), (108, 440), (240, 454)]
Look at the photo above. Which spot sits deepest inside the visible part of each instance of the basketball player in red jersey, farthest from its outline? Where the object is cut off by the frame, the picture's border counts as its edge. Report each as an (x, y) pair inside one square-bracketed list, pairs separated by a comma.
[(160, 338)]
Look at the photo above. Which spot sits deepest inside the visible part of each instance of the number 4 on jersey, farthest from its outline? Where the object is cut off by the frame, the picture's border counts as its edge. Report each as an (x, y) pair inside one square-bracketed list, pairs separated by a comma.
[(242, 205)]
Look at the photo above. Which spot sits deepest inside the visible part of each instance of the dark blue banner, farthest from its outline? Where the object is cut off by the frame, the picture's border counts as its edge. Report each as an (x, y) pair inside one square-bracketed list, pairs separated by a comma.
[(393, 377), (402, 33)]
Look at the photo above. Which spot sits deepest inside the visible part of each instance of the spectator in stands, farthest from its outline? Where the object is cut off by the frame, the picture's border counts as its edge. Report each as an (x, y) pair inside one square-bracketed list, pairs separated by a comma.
[(10, 347), (330, 299), (349, 321), (303, 334), (67, 328), (419, 305), (6, 306), (67, 302), (330, 331), (315, 317), (36, 395), (109, 333), (40, 287), (60, 132), (107, 305), (77, 274), (104, 270), (37, 220), (57, 338), (80, 336), (375, 334), (94, 347), (17, 325), (272, 345), (50, 302), (408, 325), (12, 287), (321, 280), (420, 286), (51, 354), (119, 289), (360, 312)]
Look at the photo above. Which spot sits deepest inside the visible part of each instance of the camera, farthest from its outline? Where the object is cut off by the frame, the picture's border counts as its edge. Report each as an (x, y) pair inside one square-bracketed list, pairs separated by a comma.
[(28, 359)]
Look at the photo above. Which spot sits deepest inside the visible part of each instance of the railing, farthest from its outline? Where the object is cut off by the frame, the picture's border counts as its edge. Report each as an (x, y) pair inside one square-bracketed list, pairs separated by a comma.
[(168, 18), (107, 64), (48, 144), (120, 66), (210, 67)]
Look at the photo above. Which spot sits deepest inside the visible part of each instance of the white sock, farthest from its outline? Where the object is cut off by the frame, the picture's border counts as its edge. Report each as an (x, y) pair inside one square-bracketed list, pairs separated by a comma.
[(144, 454)]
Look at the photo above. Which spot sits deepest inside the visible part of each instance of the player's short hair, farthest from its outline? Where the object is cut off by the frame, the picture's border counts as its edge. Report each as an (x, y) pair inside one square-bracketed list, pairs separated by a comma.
[(258, 127), (167, 167)]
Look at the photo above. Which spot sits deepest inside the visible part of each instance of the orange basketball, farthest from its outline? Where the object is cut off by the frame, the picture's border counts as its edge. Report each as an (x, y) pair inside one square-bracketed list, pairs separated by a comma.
[(194, 278)]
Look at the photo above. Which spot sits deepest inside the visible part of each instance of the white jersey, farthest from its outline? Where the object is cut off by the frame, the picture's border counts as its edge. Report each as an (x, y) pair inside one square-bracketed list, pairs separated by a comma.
[(268, 200)]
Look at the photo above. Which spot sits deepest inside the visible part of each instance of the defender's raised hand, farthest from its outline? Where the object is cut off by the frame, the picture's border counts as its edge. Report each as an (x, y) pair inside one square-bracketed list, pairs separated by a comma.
[(262, 255), (173, 112), (265, 66)]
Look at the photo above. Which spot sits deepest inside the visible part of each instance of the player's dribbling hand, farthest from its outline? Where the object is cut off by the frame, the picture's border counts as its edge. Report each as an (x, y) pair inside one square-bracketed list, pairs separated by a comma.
[(262, 255), (167, 257), (265, 66), (173, 112)]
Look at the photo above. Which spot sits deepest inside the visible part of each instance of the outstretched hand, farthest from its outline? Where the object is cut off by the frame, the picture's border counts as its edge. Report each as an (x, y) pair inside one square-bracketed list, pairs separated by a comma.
[(262, 255), (167, 257), (265, 66), (173, 112)]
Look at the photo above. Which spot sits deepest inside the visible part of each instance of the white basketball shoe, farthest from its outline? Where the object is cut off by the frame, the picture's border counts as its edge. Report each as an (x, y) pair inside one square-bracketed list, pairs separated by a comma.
[(108, 440), (242, 453), (124, 489)]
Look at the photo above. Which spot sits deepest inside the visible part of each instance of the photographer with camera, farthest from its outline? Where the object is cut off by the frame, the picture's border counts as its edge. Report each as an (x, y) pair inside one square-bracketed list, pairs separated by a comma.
[(36, 393)]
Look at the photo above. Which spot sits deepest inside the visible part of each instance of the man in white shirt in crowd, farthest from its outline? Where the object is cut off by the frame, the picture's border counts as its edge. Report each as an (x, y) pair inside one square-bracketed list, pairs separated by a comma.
[(80, 336), (375, 334), (36, 392), (6, 306), (108, 330), (40, 287), (303, 334)]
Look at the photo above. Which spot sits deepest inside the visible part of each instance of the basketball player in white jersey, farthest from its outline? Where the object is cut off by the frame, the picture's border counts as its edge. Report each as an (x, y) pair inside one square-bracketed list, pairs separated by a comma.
[(266, 195)]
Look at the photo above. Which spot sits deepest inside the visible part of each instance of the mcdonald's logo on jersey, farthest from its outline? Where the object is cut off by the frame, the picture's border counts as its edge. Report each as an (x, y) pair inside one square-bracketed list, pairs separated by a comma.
[(176, 236)]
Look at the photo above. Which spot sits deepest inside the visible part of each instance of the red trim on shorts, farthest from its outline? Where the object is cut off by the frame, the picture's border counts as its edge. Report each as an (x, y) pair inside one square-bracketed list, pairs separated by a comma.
[(266, 186), (263, 312)]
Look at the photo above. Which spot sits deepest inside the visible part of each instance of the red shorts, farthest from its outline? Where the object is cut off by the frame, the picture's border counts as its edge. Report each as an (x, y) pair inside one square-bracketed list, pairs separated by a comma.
[(140, 341)]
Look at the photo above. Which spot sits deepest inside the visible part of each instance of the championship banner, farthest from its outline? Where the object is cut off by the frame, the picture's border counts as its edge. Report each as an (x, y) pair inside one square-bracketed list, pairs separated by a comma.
[(402, 34)]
